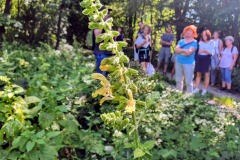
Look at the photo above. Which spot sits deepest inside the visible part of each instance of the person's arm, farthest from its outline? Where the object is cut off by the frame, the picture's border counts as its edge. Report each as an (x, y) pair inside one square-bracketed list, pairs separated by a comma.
[(186, 52), (204, 51), (141, 45), (162, 42), (97, 32), (220, 46), (235, 56)]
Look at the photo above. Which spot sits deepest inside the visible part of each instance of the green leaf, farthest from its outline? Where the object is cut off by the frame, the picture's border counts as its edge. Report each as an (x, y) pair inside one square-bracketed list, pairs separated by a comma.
[(197, 143), (129, 145), (16, 141), (62, 108), (138, 153), (40, 134), (149, 144), (53, 134), (87, 11), (85, 4), (14, 155), (168, 153), (1, 137), (48, 152), (31, 99), (115, 33), (30, 145), (45, 119), (40, 141), (103, 46), (93, 25), (34, 154), (122, 44)]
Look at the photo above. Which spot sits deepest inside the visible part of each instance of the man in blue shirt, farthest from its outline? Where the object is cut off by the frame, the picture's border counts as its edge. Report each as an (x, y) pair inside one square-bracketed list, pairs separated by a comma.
[(165, 51)]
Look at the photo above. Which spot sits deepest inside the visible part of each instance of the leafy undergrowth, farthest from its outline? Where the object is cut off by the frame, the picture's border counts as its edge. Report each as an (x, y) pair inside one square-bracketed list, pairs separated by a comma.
[(50, 113)]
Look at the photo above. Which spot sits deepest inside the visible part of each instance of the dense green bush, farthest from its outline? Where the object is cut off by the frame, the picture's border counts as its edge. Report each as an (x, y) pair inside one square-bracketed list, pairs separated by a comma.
[(60, 119)]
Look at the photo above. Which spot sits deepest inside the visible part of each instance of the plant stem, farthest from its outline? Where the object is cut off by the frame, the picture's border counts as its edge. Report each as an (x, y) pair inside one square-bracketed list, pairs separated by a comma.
[(135, 130), (136, 136)]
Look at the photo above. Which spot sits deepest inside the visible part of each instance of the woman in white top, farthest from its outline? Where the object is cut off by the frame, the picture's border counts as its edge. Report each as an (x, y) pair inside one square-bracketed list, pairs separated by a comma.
[(218, 46), (143, 46), (228, 60), (203, 61)]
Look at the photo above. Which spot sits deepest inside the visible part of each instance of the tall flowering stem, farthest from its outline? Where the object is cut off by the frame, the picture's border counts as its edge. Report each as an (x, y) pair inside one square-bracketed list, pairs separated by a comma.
[(119, 85)]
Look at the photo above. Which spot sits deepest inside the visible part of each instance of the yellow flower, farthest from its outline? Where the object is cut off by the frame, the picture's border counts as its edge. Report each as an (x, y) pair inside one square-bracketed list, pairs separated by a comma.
[(131, 103), (106, 89), (121, 75), (104, 67)]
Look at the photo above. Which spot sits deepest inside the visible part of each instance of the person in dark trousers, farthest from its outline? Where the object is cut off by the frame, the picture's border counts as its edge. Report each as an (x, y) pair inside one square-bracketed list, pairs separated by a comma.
[(165, 51), (100, 54)]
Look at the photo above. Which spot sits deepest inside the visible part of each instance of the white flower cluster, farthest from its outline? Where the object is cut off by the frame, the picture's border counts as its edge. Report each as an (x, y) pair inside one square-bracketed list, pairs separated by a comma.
[(18, 25)]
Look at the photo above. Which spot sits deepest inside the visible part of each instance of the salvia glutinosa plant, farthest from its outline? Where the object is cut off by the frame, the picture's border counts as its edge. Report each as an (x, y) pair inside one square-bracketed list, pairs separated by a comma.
[(119, 86)]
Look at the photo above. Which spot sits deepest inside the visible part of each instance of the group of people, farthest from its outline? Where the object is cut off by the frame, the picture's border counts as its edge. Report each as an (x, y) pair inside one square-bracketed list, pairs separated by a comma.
[(204, 57)]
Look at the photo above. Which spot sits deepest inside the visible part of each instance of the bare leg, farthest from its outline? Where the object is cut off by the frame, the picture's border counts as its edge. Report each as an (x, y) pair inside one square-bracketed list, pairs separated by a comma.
[(158, 66), (165, 68), (173, 71), (198, 79), (143, 66), (228, 85), (207, 80), (223, 84)]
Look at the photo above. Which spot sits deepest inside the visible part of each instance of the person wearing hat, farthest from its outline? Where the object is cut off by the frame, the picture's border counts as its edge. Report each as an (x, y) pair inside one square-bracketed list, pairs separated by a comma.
[(228, 60)]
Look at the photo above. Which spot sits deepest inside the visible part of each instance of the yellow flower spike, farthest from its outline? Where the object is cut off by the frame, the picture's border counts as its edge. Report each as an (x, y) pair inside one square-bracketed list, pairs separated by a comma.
[(106, 89), (104, 68), (131, 103), (101, 91), (121, 75), (100, 77)]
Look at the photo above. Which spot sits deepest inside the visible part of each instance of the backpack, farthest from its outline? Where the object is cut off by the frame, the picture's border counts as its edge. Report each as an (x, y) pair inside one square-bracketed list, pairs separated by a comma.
[(231, 49)]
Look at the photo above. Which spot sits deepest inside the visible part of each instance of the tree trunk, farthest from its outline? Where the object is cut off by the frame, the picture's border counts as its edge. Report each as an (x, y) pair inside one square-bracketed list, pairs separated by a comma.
[(7, 11), (134, 19), (144, 3), (130, 28), (59, 27), (180, 15)]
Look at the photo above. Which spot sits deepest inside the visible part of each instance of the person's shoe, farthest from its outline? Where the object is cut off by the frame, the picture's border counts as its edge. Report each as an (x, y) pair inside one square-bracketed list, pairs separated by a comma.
[(213, 85), (204, 92), (164, 73), (223, 89), (196, 90), (229, 90)]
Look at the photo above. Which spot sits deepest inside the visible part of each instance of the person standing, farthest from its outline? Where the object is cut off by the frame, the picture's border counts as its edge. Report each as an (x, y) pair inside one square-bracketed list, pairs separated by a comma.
[(140, 32), (203, 61), (228, 60), (218, 46), (143, 46), (165, 52), (100, 54), (121, 36), (185, 62), (141, 25)]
